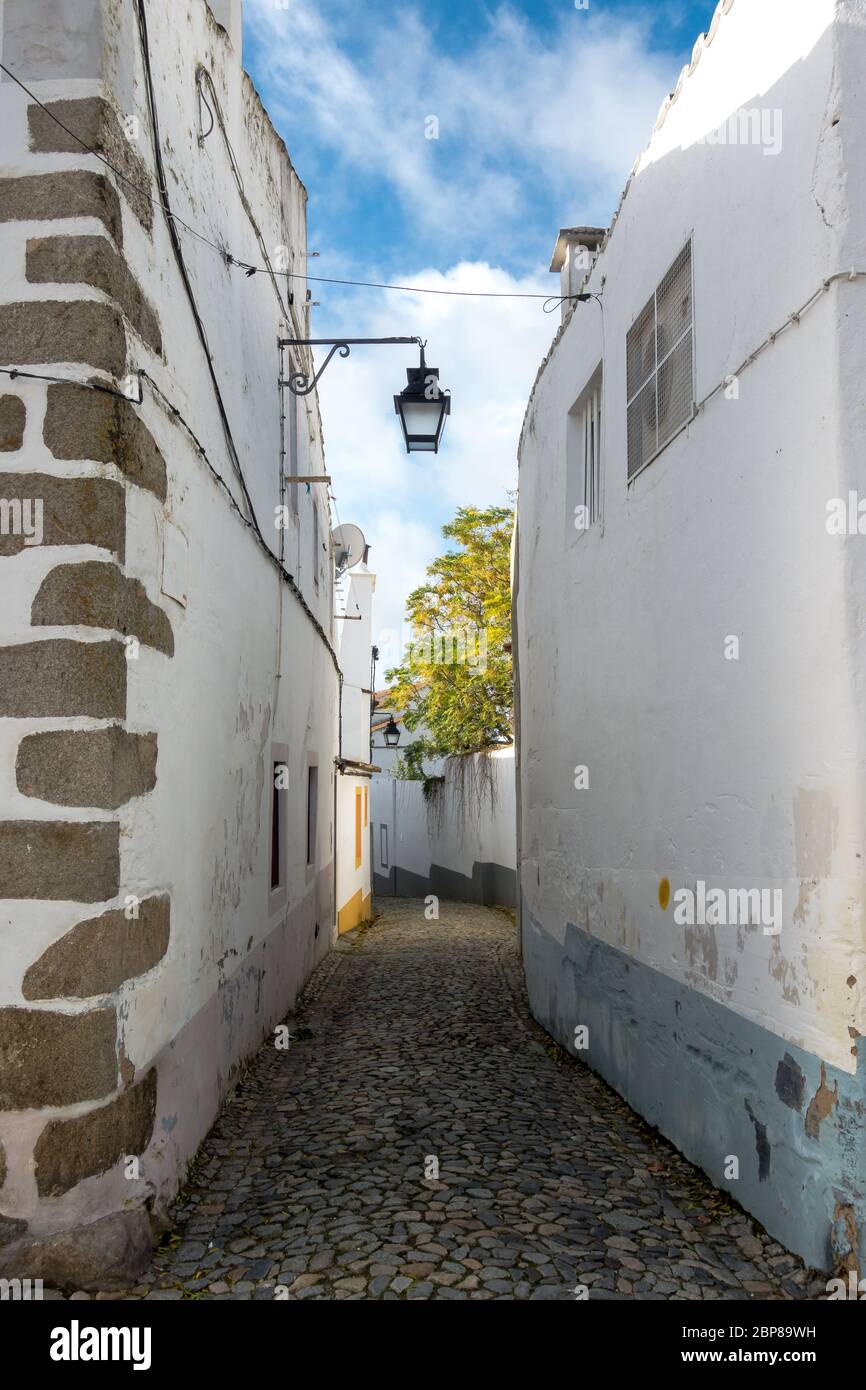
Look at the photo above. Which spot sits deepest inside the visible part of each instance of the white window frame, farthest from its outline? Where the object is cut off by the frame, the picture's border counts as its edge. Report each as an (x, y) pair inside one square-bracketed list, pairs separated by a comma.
[(584, 457)]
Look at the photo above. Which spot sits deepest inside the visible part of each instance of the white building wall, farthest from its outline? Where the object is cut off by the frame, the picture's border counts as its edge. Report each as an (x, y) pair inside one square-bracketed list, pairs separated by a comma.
[(739, 773), (252, 680), (457, 841), (354, 865)]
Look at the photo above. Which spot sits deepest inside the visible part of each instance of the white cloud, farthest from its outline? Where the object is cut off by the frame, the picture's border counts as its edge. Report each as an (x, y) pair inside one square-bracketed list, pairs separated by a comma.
[(400, 551), (487, 352), (538, 127), (567, 110)]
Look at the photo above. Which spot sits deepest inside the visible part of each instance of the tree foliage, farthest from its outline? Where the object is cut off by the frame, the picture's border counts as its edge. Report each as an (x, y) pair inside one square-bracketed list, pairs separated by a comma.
[(455, 683)]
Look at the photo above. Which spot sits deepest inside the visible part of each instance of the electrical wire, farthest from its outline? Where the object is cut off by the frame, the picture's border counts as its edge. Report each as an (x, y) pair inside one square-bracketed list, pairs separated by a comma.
[(203, 134), (181, 264), (554, 300), (177, 415), (790, 322), (251, 522), (13, 372), (267, 269), (418, 289), (88, 149), (285, 309), (171, 217)]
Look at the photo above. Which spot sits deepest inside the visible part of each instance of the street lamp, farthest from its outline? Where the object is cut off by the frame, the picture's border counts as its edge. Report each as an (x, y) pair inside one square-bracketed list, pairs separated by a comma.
[(423, 408), (391, 733), (421, 405)]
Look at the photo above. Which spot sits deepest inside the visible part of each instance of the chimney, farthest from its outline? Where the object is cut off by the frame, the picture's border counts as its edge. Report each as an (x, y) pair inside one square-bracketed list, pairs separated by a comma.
[(573, 258), (229, 15)]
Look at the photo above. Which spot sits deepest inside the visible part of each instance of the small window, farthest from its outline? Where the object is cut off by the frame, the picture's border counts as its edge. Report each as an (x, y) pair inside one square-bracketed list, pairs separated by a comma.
[(312, 812), (583, 459), (315, 545), (660, 366), (278, 826), (383, 845), (358, 832)]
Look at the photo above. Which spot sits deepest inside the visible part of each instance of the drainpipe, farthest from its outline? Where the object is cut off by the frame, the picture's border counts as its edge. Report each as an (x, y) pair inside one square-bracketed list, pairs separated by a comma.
[(336, 780), (336, 844), (374, 658), (394, 829), (515, 673)]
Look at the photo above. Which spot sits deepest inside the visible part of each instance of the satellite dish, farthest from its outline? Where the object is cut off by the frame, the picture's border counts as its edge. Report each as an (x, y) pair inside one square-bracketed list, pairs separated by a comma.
[(349, 547)]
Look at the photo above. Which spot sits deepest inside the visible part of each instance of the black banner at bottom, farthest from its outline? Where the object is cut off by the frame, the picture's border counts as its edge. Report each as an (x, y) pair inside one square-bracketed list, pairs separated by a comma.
[(62, 1338)]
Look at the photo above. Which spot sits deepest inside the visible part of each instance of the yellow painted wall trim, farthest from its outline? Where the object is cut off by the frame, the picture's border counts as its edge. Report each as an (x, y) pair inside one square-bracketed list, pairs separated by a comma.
[(356, 910)]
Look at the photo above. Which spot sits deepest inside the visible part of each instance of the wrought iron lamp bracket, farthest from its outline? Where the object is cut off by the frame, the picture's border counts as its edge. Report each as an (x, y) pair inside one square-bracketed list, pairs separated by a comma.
[(300, 384)]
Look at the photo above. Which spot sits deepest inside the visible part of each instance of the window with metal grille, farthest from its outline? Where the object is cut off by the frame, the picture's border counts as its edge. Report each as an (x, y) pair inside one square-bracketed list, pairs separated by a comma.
[(660, 366)]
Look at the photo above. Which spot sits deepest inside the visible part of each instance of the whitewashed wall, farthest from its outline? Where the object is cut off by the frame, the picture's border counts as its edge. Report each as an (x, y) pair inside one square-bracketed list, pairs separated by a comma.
[(741, 773), (458, 842), (251, 681), (354, 866)]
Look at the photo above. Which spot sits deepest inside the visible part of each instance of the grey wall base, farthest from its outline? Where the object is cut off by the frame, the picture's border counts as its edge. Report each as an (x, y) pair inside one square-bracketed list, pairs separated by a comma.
[(716, 1085), (491, 884)]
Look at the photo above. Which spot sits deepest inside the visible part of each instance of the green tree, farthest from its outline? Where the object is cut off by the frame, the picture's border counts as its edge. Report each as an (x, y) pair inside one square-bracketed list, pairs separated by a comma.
[(456, 677)]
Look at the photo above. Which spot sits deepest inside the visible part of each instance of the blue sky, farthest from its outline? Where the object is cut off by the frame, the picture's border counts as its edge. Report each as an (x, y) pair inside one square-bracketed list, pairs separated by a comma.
[(541, 109)]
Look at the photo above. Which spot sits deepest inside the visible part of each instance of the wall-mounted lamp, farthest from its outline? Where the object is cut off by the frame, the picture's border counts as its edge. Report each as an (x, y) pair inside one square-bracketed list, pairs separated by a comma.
[(423, 408), (422, 405)]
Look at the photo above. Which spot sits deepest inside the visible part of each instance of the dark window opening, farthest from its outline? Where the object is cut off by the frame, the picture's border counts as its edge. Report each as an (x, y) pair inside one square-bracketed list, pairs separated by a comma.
[(277, 829), (312, 812)]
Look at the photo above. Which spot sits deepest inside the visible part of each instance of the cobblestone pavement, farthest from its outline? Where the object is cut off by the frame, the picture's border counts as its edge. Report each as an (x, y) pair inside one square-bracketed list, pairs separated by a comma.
[(412, 1045)]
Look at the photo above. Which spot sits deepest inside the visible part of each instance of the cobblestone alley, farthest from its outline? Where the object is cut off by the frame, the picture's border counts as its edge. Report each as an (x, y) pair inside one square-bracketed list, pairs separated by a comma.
[(411, 1047)]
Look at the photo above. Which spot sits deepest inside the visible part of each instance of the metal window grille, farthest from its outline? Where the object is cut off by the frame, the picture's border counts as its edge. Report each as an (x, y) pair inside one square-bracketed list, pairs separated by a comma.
[(660, 365)]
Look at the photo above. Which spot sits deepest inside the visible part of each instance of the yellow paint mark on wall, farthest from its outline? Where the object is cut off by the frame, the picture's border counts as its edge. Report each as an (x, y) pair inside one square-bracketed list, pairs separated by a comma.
[(358, 854), (355, 911), (664, 893)]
